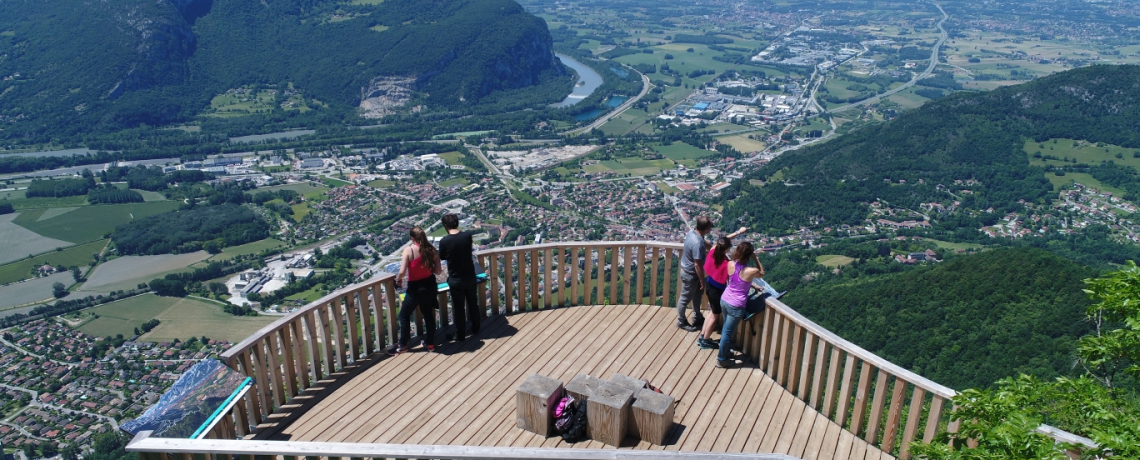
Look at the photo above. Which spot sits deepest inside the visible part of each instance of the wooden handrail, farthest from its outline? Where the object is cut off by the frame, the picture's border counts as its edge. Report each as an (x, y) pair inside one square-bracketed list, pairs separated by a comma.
[(861, 354), (884, 404), (147, 446), (274, 326)]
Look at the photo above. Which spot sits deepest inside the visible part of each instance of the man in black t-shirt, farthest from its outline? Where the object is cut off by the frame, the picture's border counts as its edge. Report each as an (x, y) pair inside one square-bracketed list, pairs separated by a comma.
[(456, 249)]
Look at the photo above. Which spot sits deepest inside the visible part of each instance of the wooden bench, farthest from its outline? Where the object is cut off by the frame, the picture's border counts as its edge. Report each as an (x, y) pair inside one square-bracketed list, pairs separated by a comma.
[(652, 416), (582, 386), (607, 413), (535, 400)]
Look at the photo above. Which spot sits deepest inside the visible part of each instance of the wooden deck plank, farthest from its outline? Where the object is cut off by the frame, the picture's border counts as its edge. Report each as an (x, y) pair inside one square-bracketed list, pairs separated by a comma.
[(803, 433), (728, 391), (370, 413), (764, 419), (373, 410), (830, 440), (689, 389), (501, 387), (755, 385), (751, 418), (791, 426), (817, 437), (776, 425), (843, 448), (445, 394), (472, 407), (466, 396)]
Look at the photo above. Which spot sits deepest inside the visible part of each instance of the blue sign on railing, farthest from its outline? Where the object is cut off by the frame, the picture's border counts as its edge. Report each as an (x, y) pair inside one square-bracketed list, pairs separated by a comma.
[(195, 401)]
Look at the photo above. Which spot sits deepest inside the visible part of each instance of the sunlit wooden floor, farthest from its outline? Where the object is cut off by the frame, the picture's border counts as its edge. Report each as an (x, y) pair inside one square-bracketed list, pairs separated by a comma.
[(465, 395)]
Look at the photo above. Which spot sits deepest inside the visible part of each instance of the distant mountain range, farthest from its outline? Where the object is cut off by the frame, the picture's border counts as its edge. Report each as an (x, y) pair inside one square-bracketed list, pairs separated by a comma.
[(72, 64), (978, 136)]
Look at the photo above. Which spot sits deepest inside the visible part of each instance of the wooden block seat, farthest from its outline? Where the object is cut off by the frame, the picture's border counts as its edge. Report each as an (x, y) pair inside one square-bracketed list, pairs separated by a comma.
[(535, 400), (607, 413), (652, 413), (582, 386), (634, 385)]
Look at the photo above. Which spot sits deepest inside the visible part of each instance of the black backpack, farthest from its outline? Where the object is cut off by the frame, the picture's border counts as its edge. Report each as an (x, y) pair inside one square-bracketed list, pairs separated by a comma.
[(577, 429)]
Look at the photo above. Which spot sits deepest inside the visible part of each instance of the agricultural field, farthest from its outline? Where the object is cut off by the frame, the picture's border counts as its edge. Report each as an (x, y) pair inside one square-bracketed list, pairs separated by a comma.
[(87, 223), (907, 99), (19, 242), (334, 182), (665, 188), (682, 151), (179, 318), (235, 103), (33, 290), (255, 247), (17, 200), (454, 181), (637, 166), (1084, 152), (307, 296), (833, 261), (151, 196), (1083, 178), (955, 246), (742, 143), (123, 316), (128, 271), (381, 183), (308, 189), (78, 256), (195, 318), (452, 158), (300, 210)]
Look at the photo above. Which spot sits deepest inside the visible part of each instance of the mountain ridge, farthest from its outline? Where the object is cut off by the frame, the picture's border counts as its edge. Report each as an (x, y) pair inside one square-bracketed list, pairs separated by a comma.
[(125, 64)]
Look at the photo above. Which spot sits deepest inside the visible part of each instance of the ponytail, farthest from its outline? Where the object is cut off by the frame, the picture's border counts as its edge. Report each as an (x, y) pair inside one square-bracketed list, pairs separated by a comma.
[(720, 250), (427, 251)]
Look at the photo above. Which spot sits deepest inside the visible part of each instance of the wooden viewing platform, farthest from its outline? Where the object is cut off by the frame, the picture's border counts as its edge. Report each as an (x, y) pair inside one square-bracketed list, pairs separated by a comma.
[(323, 386), (464, 395)]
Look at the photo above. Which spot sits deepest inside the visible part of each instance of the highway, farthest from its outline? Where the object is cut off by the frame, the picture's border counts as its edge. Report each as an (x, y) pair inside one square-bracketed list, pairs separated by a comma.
[(929, 68)]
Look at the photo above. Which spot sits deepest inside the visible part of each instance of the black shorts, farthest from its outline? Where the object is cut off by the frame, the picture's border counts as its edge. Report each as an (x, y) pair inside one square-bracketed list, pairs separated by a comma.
[(714, 294)]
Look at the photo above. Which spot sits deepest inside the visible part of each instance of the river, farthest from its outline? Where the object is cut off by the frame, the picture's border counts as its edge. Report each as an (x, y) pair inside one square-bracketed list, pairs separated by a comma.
[(588, 81)]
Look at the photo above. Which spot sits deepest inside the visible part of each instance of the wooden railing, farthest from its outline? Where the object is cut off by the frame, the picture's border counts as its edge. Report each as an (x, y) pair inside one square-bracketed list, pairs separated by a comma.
[(872, 398)]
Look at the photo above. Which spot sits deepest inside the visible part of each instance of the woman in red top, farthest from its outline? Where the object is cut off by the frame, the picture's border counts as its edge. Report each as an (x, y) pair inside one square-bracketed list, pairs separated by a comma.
[(420, 262), (716, 271)]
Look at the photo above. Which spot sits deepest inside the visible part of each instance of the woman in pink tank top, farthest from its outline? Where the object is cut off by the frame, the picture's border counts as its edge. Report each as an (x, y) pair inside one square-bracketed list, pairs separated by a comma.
[(735, 297)]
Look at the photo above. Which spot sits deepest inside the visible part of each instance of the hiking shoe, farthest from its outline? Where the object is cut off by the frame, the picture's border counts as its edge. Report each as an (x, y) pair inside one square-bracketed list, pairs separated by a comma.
[(684, 326), (698, 322), (395, 351), (706, 344), (427, 346), (726, 364)]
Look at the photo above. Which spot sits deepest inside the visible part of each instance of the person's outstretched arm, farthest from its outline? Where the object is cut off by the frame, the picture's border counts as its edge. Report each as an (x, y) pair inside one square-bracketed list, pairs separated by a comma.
[(737, 232)]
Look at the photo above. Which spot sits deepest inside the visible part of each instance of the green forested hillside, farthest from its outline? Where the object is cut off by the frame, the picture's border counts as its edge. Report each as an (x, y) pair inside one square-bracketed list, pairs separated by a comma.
[(964, 136), (73, 66), (966, 322)]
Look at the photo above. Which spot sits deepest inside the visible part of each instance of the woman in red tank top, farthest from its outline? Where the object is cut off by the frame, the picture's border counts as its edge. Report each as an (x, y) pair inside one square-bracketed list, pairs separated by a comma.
[(420, 262)]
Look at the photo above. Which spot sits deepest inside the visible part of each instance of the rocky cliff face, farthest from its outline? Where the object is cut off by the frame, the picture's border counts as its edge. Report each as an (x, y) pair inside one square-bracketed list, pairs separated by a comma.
[(162, 42), (526, 60)]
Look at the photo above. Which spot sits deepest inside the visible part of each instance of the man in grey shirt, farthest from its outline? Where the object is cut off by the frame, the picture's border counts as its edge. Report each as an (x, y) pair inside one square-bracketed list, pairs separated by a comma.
[(693, 275)]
